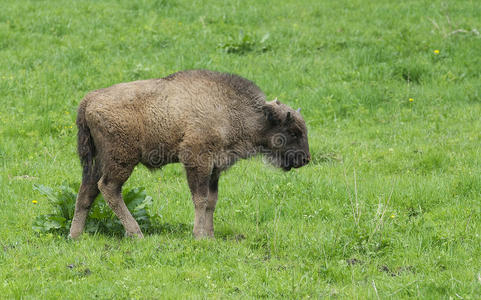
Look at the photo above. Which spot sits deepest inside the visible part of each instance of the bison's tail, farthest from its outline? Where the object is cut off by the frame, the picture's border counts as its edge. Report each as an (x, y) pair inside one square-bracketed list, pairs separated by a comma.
[(85, 144)]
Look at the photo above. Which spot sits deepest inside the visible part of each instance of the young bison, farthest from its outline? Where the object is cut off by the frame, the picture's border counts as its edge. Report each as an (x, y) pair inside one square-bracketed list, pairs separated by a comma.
[(205, 120)]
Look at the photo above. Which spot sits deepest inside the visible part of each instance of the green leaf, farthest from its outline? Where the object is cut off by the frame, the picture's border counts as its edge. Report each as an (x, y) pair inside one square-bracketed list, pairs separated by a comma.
[(101, 217), (46, 191), (134, 197)]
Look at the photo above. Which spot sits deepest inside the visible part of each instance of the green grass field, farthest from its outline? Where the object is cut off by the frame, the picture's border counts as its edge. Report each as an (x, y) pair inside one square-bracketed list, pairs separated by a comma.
[(390, 206)]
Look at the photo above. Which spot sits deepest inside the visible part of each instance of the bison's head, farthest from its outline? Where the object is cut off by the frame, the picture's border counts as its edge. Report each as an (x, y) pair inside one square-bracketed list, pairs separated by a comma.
[(285, 137)]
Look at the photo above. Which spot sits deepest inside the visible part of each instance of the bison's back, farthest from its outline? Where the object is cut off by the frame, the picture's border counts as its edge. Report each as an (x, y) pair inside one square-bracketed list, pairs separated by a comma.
[(233, 89)]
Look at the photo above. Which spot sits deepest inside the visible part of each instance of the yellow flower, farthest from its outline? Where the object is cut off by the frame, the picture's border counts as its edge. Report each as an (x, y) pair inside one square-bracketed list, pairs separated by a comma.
[(34, 201), (392, 216), (411, 100), (436, 51)]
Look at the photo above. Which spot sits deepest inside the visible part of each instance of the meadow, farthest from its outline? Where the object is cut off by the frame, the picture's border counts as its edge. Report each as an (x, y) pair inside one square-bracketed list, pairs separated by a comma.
[(389, 207)]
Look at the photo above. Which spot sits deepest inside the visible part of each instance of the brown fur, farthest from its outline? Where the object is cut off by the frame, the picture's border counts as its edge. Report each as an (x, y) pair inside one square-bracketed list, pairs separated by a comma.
[(203, 119)]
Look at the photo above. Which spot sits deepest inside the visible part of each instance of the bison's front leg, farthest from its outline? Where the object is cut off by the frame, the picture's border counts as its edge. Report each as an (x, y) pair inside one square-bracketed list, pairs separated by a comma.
[(211, 202), (199, 179)]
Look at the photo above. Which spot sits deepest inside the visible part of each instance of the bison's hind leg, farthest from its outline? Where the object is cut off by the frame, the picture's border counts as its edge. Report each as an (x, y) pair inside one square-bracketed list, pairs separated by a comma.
[(87, 193), (113, 177)]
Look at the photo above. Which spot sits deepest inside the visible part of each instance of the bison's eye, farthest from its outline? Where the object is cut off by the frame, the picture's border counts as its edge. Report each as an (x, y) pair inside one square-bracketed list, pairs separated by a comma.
[(295, 134)]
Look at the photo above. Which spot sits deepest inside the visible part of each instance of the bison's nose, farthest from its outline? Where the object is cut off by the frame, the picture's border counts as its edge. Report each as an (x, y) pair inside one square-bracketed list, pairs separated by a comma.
[(306, 159)]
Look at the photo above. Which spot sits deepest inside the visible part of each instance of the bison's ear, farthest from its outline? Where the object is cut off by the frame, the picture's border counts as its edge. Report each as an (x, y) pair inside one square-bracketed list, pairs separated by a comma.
[(272, 112)]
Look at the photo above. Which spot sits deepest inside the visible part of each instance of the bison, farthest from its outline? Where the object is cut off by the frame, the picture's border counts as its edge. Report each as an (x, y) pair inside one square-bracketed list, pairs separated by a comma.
[(203, 119)]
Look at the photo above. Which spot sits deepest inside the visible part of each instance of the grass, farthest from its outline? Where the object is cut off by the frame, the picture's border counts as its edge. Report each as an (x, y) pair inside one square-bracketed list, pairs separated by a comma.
[(390, 206)]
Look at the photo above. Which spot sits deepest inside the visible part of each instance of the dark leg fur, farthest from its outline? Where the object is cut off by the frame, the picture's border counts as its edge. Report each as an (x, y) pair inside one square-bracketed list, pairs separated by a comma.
[(211, 202), (87, 193), (198, 179)]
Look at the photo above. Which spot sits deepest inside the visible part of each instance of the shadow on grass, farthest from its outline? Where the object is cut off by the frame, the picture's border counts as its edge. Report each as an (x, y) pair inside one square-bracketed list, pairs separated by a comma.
[(228, 234), (179, 229), (169, 228)]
